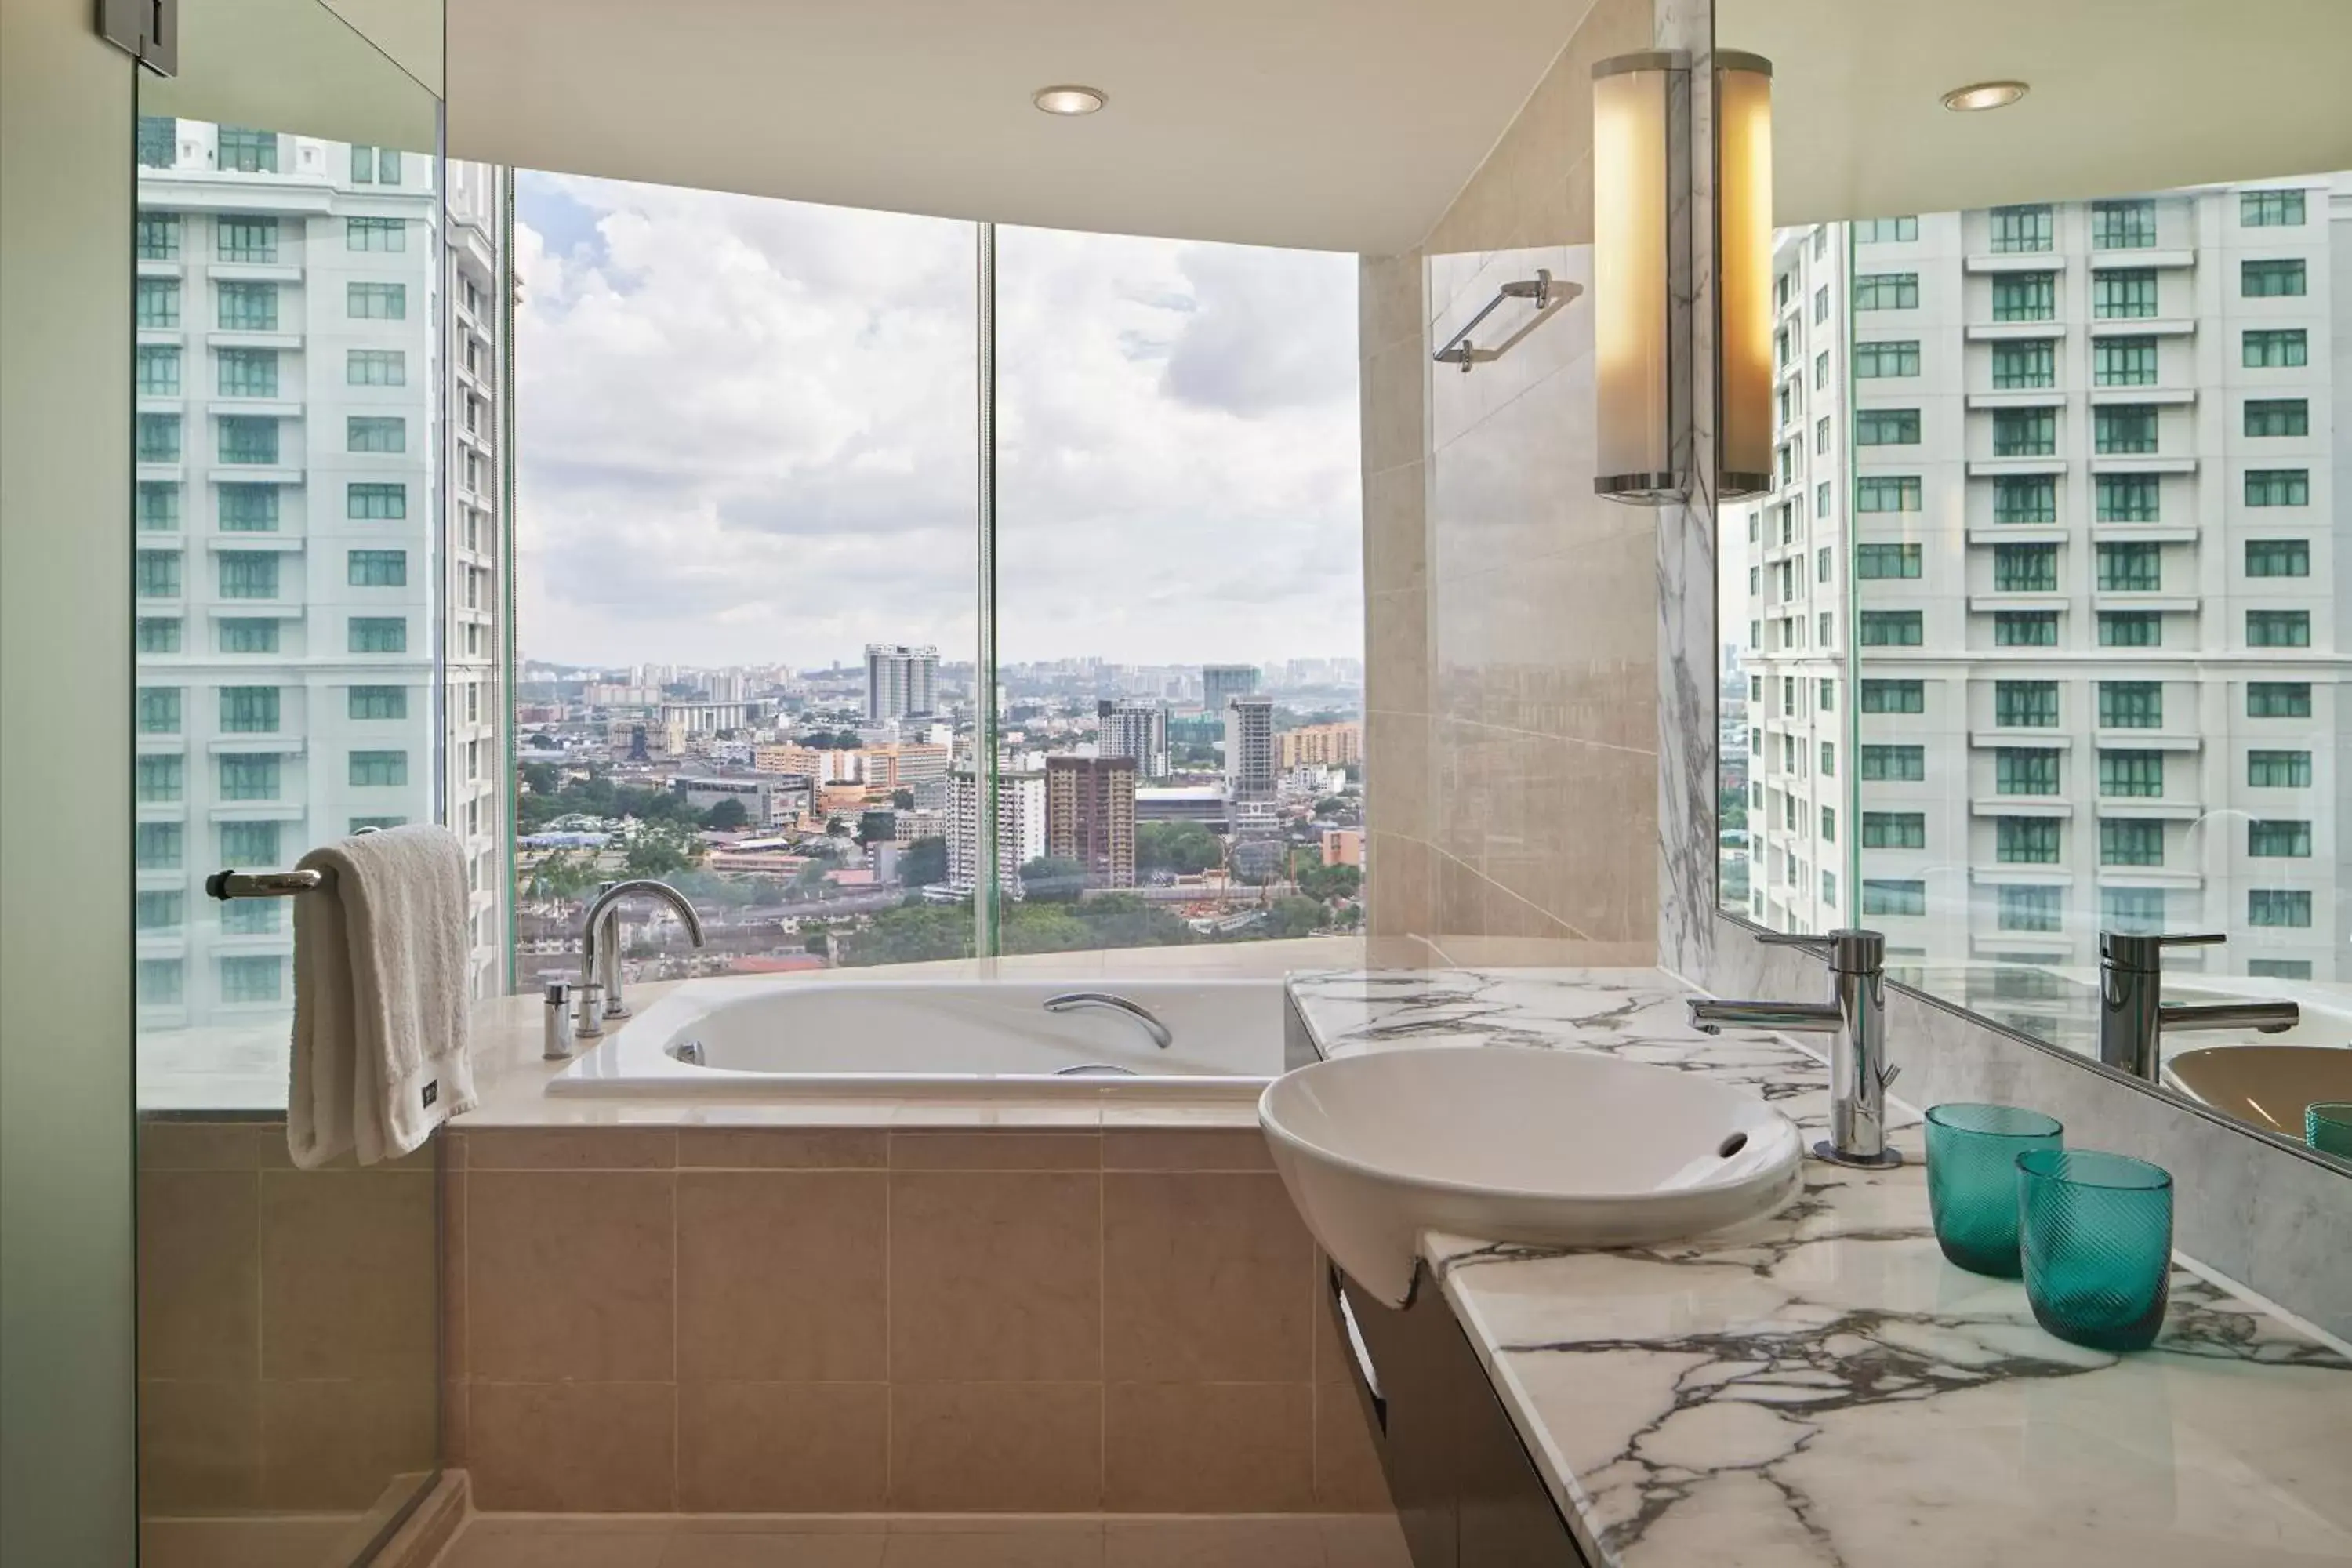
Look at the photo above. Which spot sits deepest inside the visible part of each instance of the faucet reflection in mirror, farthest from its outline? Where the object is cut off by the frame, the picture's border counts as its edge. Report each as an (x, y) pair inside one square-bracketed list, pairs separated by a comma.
[(2134, 1018)]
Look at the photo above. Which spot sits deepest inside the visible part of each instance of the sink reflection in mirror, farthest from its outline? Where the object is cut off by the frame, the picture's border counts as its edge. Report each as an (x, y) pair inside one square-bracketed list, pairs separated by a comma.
[(2268, 1086)]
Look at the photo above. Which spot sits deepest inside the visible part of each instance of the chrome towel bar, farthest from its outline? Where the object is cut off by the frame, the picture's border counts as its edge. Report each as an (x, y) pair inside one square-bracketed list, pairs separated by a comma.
[(234, 884)]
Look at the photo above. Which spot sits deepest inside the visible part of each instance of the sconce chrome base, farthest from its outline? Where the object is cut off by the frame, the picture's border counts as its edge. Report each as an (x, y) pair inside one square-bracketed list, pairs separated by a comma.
[(1642, 490), (1885, 1160), (1742, 487)]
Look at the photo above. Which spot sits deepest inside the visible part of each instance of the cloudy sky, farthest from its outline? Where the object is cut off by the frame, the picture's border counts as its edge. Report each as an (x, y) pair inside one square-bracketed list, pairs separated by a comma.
[(747, 435)]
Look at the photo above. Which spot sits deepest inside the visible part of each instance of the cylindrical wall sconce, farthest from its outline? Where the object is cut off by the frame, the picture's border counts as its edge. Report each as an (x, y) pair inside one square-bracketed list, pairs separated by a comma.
[(1743, 227), (1641, 265), (1642, 276)]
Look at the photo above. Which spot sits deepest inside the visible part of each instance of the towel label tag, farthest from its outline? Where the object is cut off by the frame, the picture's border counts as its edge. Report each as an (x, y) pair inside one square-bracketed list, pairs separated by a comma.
[(432, 1092)]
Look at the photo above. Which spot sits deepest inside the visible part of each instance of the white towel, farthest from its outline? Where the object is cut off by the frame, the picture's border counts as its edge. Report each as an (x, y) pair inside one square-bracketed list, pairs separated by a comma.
[(379, 996)]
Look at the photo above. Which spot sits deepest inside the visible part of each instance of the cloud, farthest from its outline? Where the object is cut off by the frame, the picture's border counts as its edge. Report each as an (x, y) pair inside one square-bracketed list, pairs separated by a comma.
[(748, 434)]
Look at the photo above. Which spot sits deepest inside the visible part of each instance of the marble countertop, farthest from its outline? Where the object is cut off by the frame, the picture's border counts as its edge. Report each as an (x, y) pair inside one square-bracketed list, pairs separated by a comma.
[(1821, 1387)]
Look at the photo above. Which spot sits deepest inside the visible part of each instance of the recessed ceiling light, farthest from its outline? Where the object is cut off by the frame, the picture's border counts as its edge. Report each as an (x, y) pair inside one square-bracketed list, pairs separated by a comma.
[(1983, 95), (1070, 99)]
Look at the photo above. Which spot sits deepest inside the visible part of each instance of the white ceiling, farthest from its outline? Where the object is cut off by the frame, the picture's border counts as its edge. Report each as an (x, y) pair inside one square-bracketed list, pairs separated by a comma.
[(2127, 95), (1333, 125)]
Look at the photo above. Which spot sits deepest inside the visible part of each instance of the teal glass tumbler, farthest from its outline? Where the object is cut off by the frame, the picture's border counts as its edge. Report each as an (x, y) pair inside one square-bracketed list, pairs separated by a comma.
[(1972, 1154), (2095, 1232), (2328, 1127)]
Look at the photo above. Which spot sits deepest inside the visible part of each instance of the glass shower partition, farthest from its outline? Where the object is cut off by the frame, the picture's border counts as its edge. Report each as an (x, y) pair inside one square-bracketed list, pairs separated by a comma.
[(289, 297)]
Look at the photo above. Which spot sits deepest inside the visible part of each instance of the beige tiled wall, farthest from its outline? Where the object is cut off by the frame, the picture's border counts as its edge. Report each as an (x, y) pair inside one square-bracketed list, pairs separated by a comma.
[(1512, 637), (285, 1324), (847, 1320)]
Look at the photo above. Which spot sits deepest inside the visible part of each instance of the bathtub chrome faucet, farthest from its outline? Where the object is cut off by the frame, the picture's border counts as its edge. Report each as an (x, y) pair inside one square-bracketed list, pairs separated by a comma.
[(2134, 1018), (600, 947), (1855, 1020), (1071, 1001)]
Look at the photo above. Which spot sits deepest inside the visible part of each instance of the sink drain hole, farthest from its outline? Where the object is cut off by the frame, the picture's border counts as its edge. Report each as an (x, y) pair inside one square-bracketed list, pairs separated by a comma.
[(1732, 1145)]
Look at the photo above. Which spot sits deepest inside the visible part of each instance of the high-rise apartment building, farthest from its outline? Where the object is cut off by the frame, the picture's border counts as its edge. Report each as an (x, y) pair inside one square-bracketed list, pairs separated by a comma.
[(1020, 829), (1249, 748), (1222, 682), (478, 719), (1090, 816), (1319, 746), (290, 303), (2068, 470), (1138, 730), (900, 680)]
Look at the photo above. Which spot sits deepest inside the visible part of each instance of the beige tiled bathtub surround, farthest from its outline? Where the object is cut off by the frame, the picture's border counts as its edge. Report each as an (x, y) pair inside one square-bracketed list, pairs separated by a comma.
[(845, 1320), (939, 1541), (1511, 629), (287, 1324)]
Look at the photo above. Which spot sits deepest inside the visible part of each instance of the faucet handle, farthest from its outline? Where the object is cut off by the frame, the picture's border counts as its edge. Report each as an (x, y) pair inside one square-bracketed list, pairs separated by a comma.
[(1850, 951), (2138, 951)]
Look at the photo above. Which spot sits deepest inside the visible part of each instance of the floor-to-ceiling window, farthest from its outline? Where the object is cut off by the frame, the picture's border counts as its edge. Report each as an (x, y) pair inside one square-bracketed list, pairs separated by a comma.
[(750, 585)]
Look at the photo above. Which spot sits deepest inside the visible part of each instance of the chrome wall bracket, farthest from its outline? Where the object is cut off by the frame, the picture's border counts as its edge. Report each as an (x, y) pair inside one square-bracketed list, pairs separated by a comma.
[(146, 30)]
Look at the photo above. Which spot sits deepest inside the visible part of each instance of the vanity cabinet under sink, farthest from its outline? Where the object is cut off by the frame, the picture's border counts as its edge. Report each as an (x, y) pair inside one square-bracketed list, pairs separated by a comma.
[(1465, 1491)]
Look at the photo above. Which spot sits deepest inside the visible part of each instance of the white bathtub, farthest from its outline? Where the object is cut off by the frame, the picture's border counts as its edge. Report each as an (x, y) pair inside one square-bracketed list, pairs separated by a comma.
[(791, 1038)]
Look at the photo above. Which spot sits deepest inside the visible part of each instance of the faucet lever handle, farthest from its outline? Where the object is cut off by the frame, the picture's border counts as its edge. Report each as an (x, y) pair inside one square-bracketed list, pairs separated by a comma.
[(1851, 951), (2144, 951)]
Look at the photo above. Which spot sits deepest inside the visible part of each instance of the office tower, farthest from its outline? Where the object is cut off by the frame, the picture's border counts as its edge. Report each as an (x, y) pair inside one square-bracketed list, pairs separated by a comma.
[(1020, 829), (1249, 748), (1135, 729), (1221, 682), (1090, 816), (2068, 468), (1319, 745), (900, 680), (291, 304)]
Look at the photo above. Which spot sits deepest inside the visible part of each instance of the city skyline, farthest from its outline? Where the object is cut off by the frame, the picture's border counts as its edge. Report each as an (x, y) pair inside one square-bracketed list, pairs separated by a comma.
[(793, 476)]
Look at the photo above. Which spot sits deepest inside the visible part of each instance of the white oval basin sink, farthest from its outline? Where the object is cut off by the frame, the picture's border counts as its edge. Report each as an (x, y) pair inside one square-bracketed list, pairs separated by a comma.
[(1516, 1144), (2264, 1085)]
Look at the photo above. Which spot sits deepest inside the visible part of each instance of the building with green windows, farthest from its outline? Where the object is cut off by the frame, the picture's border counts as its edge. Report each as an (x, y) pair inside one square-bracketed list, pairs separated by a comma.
[(2069, 476)]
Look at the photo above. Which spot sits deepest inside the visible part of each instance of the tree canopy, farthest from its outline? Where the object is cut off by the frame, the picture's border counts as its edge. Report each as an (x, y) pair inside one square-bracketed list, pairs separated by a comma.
[(923, 862), (1186, 848)]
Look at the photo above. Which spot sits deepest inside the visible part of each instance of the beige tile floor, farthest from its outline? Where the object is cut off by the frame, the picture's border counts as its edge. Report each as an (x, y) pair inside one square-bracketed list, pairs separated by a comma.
[(932, 1540)]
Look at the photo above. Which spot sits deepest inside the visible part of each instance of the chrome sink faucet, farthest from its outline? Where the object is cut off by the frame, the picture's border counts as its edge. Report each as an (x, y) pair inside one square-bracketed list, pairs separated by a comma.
[(600, 947), (2134, 1018), (1855, 1020)]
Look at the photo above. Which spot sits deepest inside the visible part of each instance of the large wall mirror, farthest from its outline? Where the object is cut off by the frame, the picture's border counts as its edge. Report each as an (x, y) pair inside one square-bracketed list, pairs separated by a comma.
[(2043, 638)]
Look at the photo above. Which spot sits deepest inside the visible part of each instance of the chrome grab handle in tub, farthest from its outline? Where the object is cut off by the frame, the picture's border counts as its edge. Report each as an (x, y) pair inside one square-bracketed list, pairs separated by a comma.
[(1070, 1001)]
